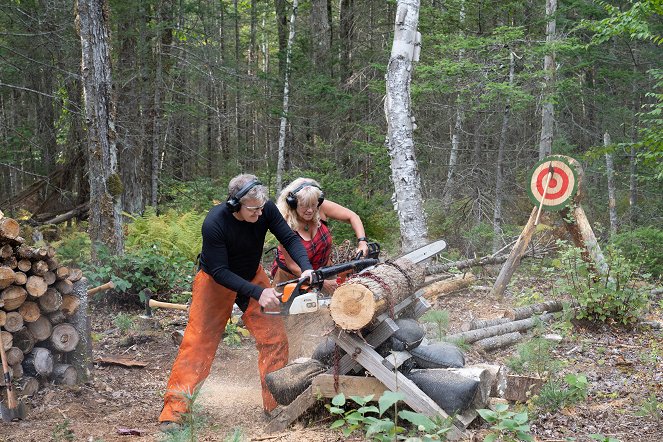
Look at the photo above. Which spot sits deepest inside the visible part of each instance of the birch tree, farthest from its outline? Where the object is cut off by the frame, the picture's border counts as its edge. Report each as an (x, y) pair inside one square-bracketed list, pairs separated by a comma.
[(547, 108), (105, 222), (400, 143), (280, 165), (610, 171)]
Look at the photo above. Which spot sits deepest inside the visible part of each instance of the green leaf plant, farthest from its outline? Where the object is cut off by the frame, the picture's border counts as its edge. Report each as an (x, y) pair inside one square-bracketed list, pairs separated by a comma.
[(507, 426)]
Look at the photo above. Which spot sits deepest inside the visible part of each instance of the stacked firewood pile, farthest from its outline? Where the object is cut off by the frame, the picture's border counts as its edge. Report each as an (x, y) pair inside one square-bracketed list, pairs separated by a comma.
[(37, 301)]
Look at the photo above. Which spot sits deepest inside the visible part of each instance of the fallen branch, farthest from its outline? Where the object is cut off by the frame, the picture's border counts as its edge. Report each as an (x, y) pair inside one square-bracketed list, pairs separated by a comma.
[(483, 323), (499, 341), (432, 291), (466, 264), (513, 326), (529, 310)]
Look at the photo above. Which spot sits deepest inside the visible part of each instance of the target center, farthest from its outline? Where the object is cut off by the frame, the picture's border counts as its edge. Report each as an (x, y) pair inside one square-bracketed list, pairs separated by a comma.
[(553, 182)]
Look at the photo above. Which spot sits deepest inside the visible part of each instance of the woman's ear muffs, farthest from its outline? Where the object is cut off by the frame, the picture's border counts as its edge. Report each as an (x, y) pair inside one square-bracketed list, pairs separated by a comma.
[(233, 201), (291, 199)]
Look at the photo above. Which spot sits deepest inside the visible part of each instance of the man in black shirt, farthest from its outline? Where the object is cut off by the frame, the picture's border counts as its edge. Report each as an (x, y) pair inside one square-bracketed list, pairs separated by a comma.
[(230, 272)]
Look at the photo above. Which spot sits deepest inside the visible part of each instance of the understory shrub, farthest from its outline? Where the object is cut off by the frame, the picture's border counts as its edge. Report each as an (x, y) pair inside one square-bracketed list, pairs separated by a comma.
[(644, 247)]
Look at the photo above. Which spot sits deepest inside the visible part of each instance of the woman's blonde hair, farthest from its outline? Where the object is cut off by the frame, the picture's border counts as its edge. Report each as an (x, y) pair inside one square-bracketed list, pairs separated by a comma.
[(306, 196)]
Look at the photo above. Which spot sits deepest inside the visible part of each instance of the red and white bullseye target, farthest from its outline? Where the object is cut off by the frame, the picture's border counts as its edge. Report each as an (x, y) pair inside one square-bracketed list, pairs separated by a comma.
[(553, 181)]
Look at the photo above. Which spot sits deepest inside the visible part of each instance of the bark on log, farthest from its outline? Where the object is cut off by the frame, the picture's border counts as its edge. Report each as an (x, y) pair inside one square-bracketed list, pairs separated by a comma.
[(13, 322), (39, 362), (64, 374), (482, 323), (24, 340), (534, 309), (475, 335), (64, 337), (75, 275), (41, 329), (6, 251), (13, 296), (64, 286), (36, 286), (7, 277), (81, 356), (466, 264), (28, 386), (363, 297), (50, 301), (39, 267), (437, 289), (62, 272), (10, 262), (29, 311), (499, 341), (70, 304), (20, 278), (7, 339), (14, 356), (9, 228)]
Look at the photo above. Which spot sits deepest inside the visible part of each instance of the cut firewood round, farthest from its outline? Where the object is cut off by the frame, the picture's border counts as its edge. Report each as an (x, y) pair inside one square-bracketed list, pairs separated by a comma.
[(3, 318), (14, 356), (39, 362), (7, 339), (13, 322), (41, 329), (49, 277), (64, 286), (24, 265), (36, 286), (39, 267), (13, 296), (70, 304), (6, 251), (24, 340), (75, 275), (6, 277), (28, 386), (64, 374), (29, 311), (64, 337), (50, 301), (9, 228), (20, 278)]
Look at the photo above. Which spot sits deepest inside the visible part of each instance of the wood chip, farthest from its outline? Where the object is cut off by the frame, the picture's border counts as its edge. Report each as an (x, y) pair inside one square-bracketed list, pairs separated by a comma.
[(120, 360)]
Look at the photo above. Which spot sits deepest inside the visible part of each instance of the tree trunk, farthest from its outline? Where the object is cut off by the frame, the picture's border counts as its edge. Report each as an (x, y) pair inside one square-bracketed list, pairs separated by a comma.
[(610, 170), (105, 223), (400, 143), (356, 303), (519, 313), (548, 109), (280, 166), (346, 21)]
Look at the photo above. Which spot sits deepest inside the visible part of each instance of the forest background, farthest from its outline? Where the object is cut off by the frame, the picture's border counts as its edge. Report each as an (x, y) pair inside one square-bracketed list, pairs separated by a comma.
[(198, 88)]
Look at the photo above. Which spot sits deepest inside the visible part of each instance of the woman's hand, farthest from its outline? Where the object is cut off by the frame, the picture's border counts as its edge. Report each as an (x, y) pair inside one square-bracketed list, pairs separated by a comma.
[(329, 286), (362, 249), (269, 298), (306, 274)]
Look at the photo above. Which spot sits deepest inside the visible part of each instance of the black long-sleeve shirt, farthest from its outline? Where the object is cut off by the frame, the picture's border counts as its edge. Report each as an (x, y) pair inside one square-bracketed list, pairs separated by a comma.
[(232, 248)]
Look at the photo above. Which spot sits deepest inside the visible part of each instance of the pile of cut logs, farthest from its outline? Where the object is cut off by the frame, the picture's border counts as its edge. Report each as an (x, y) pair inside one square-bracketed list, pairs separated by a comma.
[(36, 302)]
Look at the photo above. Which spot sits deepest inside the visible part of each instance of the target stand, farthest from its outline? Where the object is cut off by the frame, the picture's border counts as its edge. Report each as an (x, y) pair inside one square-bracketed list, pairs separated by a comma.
[(555, 186)]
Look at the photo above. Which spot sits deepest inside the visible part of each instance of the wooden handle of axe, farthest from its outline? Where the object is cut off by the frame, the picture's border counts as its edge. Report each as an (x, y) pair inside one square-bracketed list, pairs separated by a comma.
[(153, 303), (11, 399), (109, 285)]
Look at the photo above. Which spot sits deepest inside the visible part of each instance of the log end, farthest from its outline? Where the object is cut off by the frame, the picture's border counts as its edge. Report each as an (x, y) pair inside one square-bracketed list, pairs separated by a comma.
[(352, 306)]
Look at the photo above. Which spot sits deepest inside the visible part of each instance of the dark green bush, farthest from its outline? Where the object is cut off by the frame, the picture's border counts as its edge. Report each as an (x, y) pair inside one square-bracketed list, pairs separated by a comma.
[(644, 247)]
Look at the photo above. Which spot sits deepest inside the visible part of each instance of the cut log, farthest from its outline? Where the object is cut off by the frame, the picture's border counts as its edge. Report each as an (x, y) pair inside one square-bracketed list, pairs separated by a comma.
[(9, 228), (57, 317), (53, 264), (450, 285), (36, 286), (481, 375), (41, 329), (499, 341), (6, 277), (13, 322), (29, 310), (49, 278), (6, 251), (13, 296), (28, 386), (521, 388), (70, 304), (482, 333), (483, 323), (499, 378), (64, 374), (20, 278), (10, 262), (39, 267), (64, 286), (365, 296), (75, 275), (534, 309), (24, 265), (3, 318), (7, 339), (24, 340), (64, 337), (14, 355), (17, 371), (62, 272), (39, 362), (25, 252), (50, 301)]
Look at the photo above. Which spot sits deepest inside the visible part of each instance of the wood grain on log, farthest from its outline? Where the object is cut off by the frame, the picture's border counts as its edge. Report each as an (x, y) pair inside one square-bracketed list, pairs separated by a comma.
[(25, 252), (75, 275), (13, 322), (62, 272), (9, 228), (53, 264), (39, 362), (36, 286), (14, 356), (57, 317), (10, 262), (64, 374), (49, 278), (70, 304), (50, 301), (534, 309), (24, 265), (3, 317), (7, 339), (39, 267), (41, 329), (7, 277), (20, 278), (13, 296), (64, 286), (24, 340), (357, 302), (29, 310), (6, 251), (64, 337)]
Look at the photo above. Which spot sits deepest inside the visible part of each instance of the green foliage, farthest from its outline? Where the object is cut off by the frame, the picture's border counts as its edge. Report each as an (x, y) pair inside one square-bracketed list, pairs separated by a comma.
[(651, 408), (644, 247), (62, 432), (602, 438), (377, 427), (192, 422), (507, 426), (233, 333), (124, 322), (73, 249), (556, 394), (535, 356), (236, 436), (610, 297), (440, 318)]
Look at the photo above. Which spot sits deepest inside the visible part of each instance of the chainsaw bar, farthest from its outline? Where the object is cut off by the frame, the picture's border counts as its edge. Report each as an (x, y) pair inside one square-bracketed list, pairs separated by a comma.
[(425, 252)]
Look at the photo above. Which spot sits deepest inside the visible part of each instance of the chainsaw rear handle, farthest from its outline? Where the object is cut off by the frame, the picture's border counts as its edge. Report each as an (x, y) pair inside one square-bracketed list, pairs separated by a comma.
[(284, 308)]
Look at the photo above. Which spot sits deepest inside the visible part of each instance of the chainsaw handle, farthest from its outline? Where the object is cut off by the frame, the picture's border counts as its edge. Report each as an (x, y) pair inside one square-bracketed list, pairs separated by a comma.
[(285, 306)]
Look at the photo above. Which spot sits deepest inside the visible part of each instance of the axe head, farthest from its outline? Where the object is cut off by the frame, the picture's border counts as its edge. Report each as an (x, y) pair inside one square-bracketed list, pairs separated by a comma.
[(13, 414), (146, 295)]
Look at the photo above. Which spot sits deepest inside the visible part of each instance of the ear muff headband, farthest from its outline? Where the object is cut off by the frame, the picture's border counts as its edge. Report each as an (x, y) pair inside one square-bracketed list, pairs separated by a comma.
[(291, 199), (233, 202)]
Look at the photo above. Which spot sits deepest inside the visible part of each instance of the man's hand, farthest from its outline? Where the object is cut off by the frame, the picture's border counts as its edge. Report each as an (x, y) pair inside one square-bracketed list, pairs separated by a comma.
[(268, 299), (306, 274), (362, 249)]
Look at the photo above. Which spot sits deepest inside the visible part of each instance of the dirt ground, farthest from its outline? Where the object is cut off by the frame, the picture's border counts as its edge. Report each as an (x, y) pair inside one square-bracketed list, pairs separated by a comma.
[(624, 367)]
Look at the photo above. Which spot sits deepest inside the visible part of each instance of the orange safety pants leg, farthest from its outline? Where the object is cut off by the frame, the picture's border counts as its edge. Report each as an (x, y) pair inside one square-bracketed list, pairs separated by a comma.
[(211, 307)]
